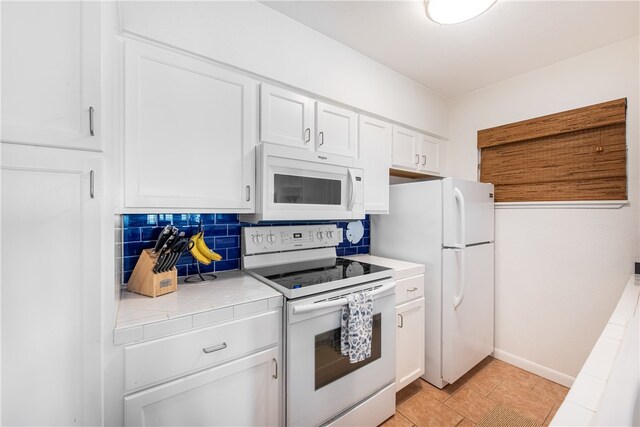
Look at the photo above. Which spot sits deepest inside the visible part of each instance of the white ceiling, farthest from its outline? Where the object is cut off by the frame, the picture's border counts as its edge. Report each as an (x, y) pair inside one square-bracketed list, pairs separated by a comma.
[(511, 38)]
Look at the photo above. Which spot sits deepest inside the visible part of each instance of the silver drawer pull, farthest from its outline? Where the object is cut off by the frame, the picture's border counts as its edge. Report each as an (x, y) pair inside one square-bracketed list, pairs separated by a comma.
[(412, 290), (215, 348)]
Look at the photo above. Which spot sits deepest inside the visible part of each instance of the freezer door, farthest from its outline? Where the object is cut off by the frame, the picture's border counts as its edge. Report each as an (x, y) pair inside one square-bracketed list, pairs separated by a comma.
[(467, 309), (467, 212)]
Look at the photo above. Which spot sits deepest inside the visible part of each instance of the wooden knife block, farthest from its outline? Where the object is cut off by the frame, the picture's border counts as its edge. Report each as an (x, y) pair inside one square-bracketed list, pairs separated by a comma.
[(144, 281)]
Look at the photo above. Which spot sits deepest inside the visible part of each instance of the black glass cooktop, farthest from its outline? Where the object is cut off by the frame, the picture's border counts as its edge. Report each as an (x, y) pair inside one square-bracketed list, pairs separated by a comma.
[(309, 273)]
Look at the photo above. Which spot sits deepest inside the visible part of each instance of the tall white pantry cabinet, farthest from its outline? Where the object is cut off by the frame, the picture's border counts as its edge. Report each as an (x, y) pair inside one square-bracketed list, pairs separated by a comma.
[(51, 210)]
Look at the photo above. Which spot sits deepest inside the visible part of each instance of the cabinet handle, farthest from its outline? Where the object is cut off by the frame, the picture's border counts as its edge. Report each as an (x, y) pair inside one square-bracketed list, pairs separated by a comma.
[(248, 193), (401, 321), (92, 181), (412, 289), (321, 134), (307, 135), (424, 160), (275, 376), (213, 348), (417, 159), (91, 121)]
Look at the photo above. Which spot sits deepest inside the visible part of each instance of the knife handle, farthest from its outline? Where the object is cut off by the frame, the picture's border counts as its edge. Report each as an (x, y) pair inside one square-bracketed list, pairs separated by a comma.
[(159, 261)]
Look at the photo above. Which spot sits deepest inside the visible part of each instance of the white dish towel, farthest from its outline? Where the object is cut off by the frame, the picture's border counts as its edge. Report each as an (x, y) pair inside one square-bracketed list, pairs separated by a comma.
[(357, 327)]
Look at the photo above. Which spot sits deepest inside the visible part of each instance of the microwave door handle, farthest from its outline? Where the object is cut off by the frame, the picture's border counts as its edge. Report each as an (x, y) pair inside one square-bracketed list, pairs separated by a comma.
[(352, 196)]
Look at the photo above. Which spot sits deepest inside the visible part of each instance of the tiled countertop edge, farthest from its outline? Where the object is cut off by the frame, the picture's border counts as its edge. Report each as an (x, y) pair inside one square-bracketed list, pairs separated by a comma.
[(585, 396), (169, 326)]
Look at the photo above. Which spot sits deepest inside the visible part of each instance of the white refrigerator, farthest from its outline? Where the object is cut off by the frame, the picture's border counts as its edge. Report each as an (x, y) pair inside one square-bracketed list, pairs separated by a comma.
[(447, 225)]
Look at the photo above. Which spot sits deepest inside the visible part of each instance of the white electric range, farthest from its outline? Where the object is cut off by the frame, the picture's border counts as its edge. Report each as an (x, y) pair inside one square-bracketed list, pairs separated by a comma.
[(322, 387)]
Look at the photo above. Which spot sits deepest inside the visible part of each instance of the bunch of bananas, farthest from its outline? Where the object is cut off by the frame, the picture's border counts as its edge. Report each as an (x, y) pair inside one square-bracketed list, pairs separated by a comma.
[(200, 251)]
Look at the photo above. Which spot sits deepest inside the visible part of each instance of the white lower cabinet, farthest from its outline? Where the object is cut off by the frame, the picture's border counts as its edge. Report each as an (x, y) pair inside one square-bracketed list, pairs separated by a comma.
[(51, 345), (222, 375), (244, 392), (409, 330)]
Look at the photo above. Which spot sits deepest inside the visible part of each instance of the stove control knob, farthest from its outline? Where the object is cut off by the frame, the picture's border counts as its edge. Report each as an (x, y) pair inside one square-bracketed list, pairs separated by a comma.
[(271, 238), (329, 234), (260, 238), (255, 238), (319, 234)]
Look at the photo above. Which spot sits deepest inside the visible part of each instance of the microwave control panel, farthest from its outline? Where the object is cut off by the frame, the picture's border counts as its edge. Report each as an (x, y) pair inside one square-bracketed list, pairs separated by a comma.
[(256, 240)]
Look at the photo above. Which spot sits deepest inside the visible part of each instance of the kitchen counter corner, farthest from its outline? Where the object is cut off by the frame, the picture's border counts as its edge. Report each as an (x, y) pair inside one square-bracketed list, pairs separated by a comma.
[(403, 269)]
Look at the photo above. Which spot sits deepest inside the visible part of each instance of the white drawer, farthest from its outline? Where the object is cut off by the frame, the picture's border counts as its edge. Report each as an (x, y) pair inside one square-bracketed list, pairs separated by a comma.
[(409, 289), (153, 361)]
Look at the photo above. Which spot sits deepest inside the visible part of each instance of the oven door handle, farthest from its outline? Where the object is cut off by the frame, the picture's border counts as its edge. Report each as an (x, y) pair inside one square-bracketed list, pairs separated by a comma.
[(337, 302)]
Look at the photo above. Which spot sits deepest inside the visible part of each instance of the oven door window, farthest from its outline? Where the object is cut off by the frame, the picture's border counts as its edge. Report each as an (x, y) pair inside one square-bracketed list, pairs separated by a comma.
[(331, 365), (306, 190)]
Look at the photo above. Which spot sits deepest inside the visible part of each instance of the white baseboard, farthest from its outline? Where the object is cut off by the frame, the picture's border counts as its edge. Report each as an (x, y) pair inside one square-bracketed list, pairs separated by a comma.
[(527, 365)]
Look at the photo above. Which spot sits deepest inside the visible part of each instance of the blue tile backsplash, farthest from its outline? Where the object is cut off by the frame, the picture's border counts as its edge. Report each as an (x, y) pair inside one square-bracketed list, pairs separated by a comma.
[(222, 234)]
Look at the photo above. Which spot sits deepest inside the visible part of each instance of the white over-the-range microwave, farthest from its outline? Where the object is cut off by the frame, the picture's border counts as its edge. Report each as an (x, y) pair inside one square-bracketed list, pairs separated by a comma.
[(297, 184)]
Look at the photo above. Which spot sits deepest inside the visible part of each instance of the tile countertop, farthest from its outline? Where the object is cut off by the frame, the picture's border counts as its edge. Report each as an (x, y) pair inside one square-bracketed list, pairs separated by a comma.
[(403, 269), (606, 385), (233, 294)]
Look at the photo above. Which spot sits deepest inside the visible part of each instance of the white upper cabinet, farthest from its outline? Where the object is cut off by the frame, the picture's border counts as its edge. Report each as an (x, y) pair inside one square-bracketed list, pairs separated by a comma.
[(375, 158), (286, 117), (51, 74), (337, 130), (415, 152), (404, 154), (189, 132), (429, 154)]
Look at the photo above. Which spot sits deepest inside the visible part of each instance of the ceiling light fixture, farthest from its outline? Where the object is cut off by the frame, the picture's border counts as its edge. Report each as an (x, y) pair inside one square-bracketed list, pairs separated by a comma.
[(455, 11)]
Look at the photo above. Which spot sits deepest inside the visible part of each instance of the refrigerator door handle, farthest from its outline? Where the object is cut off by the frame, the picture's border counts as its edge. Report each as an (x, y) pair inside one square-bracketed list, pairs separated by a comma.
[(457, 300), (457, 194)]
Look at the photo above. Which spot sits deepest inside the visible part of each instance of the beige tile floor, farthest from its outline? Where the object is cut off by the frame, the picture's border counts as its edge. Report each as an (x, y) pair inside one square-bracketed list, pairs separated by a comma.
[(468, 400)]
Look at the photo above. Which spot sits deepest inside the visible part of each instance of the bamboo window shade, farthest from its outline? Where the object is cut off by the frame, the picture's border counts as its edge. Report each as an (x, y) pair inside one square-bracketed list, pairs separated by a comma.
[(574, 155)]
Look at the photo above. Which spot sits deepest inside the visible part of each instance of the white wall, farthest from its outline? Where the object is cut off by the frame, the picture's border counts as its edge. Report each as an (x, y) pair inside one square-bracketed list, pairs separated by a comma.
[(559, 272), (253, 37)]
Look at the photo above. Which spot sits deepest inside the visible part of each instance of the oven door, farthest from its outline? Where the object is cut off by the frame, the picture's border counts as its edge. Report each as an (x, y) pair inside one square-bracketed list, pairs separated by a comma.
[(299, 184), (321, 383)]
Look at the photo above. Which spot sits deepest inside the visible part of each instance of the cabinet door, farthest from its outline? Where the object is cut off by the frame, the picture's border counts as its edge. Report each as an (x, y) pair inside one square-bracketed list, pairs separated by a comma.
[(337, 130), (244, 392), (429, 155), (285, 117), (51, 73), (375, 157), (189, 133), (404, 152), (409, 342), (51, 365)]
